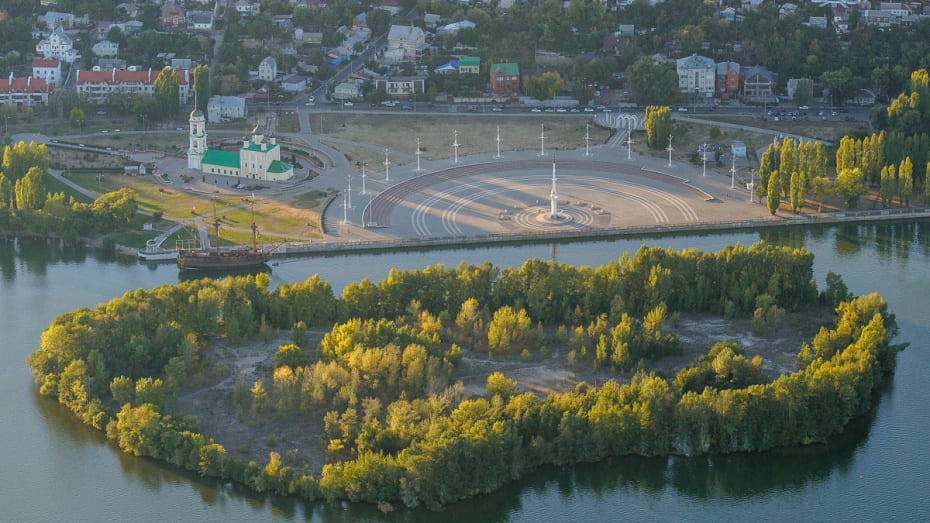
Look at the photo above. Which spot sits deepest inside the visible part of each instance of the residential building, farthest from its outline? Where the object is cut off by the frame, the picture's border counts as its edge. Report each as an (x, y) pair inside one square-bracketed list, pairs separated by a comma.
[(403, 86), (819, 22), (248, 8), (431, 20), (505, 78), (23, 92), (48, 70), (758, 85), (864, 97), (225, 108), (200, 20), (105, 49), (347, 91), (173, 17), (469, 64), (452, 66), (268, 69), (728, 79), (96, 85), (360, 23), (454, 28), (58, 46), (696, 75), (54, 19), (405, 43), (257, 159), (294, 83)]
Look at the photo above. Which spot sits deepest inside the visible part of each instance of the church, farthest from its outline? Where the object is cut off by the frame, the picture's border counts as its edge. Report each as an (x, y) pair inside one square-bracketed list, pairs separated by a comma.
[(258, 158)]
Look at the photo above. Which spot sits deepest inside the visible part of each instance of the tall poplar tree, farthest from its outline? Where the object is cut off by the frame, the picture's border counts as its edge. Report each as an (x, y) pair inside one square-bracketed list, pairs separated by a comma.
[(202, 86), (905, 181), (886, 189), (165, 93), (773, 198)]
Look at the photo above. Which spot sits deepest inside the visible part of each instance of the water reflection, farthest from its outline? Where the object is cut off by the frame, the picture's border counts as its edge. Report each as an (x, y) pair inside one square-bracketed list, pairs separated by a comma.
[(709, 479)]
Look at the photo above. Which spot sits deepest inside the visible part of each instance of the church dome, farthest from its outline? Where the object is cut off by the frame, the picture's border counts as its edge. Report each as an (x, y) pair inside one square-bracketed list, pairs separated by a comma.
[(196, 113), (258, 130)]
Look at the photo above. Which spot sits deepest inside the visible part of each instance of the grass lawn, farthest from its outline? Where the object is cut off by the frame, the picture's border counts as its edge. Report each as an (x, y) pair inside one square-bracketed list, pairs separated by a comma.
[(55, 186), (476, 134), (278, 217), (153, 196), (132, 234)]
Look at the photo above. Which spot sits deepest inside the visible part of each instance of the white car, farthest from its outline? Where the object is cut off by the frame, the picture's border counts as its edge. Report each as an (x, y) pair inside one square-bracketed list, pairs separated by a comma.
[(311, 99), (309, 104), (561, 110), (537, 110), (347, 104), (496, 109), (804, 108), (589, 109)]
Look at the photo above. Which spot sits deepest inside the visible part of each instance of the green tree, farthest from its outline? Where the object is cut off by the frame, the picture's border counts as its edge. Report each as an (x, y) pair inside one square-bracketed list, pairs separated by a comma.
[(803, 91), (6, 192), (202, 86), (76, 118), (30, 190), (548, 84), (850, 186), (906, 181), (927, 185), (773, 196), (165, 93), (658, 123), (508, 330), (886, 189), (821, 187), (500, 385), (650, 83)]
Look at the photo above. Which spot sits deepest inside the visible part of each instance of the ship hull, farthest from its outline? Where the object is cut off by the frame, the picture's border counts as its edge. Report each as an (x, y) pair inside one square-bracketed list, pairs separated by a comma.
[(211, 260)]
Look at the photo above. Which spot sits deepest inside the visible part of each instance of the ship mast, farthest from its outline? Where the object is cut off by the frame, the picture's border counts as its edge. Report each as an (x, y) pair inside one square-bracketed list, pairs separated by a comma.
[(216, 228), (253, 226)]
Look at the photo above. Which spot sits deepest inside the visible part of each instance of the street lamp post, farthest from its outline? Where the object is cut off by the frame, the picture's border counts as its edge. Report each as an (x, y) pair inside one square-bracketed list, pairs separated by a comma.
[(704, 150), (733, 173), (752, 185), (670, 150), (387, 165), (629, 144), (363, 178)]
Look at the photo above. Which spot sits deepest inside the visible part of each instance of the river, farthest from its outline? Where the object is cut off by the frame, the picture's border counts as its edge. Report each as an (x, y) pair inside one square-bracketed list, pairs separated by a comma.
[(56, 469)]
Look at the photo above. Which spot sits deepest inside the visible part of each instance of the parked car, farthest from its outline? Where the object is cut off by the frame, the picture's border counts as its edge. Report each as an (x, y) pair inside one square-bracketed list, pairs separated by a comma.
[(407, 108), (804, 108), (589, 109), (347, 104), (497, 109), (537, 110), (561, 110)]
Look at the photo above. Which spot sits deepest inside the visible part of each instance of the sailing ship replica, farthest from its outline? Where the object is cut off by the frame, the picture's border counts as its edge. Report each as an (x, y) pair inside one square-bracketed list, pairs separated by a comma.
[(242, 257)]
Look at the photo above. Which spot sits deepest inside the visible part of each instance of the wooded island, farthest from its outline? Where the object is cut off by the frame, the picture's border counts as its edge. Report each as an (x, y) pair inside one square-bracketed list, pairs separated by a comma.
[(397, 424)]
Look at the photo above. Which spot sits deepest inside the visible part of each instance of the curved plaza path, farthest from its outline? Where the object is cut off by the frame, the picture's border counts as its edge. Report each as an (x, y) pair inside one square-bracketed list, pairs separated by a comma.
[(485, 194)]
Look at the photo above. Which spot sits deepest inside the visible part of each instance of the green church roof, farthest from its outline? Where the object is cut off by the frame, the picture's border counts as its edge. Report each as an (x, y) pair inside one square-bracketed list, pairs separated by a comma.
[(221, 158), (258, 147), (278, 167)]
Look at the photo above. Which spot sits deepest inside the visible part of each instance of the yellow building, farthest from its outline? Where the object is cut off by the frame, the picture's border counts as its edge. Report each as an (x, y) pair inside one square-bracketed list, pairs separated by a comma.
[(257, 159)]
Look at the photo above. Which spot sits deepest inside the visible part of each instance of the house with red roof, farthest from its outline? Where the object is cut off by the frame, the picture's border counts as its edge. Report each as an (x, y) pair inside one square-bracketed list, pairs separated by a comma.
[(48, 70), (23, 92), (96, 85)]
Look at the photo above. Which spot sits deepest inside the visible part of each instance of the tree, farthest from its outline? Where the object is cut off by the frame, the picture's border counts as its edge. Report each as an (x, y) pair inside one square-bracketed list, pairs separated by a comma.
[(6, 192), (773, 196), (658, 123), (650, 83), (30, 190), (927, 185), (841, 84), (803, 91), (905, 181), (548, 84), (202, 86), (77, 118), (500, 385), (821, 187), (850, 186), (886, 188), (165, 93)]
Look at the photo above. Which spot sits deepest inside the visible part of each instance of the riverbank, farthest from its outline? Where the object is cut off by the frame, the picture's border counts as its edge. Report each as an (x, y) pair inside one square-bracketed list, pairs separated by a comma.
[(330, 246)]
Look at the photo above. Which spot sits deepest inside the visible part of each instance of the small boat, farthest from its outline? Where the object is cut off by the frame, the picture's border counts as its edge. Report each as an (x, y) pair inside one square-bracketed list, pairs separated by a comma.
[(153, 251), (241, 257)]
